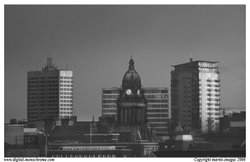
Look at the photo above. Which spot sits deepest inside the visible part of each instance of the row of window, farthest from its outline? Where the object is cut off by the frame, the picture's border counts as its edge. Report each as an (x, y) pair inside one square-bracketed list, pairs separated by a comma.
[(43, 108), (66, 89), (215, 113), (66, 77), (213, 80), (215, 104), (109, 101), (157, 120), (42, 98), (41, 105), (66, 112), (155, 91), (42, 89), (158, 125), (157, 115), (157, 101), (66, 85), (42, 78), (66, 93), (157, 110), (213, 85), (110, 96), (66, 108), (51, 94), (213, 94), (66, 101), (158, 105), (156, 96), (213, 99), (149, 106), (64, 97), (109, 106), (148, 110), (66, 81), (41, 113), (208, 70), (41, 92), (41, 85), (210, 90), (69, 104), (109, 111), (215, 109)]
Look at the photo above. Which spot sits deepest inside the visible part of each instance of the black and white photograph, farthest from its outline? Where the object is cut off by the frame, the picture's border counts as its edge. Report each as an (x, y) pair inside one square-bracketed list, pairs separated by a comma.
[(115, 81)]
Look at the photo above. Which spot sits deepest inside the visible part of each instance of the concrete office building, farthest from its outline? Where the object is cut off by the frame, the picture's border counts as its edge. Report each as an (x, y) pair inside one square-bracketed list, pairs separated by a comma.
[(50, 93), (157, 113), (195, 96), (109, 97)]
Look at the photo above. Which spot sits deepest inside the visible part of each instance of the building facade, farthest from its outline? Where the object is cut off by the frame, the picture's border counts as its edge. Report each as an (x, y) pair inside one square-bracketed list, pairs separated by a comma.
[(157, 113), (195, 96), (50, 93), (109, 97), (131, 102)]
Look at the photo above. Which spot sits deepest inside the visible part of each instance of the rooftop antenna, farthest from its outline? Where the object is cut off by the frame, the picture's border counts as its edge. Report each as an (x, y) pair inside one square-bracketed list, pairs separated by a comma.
[(191, 57), (49, 61)]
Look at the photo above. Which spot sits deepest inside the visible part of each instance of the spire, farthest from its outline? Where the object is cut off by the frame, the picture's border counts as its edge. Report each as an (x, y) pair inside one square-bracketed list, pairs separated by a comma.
[(49, 62), (49, 65), (131, 64)]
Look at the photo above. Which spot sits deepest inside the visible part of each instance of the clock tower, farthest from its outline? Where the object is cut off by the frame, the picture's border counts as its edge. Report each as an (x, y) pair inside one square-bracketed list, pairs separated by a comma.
[(131, 102)]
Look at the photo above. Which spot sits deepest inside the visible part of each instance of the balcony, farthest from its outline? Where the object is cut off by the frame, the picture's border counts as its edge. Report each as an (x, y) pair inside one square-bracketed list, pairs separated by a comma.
[(217, 85), (209, 104), (217, 81), (217, 95), (209, 108), (209, 90), (209, 94)]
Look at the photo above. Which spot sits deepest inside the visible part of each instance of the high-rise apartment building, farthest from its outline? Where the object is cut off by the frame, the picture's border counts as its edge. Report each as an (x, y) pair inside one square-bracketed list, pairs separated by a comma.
[(50, 93), (195, 96), (157, 112)]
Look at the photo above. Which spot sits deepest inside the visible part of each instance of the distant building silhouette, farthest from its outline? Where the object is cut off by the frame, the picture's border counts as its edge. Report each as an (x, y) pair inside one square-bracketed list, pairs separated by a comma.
[(195, 95), (50, 93)]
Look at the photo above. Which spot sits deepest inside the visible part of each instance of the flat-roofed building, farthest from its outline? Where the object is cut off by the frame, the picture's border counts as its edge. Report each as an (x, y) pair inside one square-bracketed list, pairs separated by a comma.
[(158, 112), (109, 107), (50, 93), (195, 95)]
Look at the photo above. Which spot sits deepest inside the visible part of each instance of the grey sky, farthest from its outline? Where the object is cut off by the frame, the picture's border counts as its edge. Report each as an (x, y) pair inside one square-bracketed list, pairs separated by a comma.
[(96, 42)]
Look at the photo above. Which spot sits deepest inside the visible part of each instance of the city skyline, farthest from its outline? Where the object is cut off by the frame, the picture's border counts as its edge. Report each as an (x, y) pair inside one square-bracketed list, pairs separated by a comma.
[(96, 43)]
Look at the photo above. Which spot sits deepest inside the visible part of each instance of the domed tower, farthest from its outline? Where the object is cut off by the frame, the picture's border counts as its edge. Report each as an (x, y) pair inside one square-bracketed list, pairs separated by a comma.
[(131, 102)]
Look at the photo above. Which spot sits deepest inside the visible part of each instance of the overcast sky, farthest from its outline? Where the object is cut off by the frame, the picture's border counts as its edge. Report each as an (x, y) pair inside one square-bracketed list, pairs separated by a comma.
[(96, 42)]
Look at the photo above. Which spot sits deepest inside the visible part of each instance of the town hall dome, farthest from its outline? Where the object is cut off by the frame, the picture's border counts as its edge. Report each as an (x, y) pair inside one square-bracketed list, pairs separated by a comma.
[(131, 78)]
